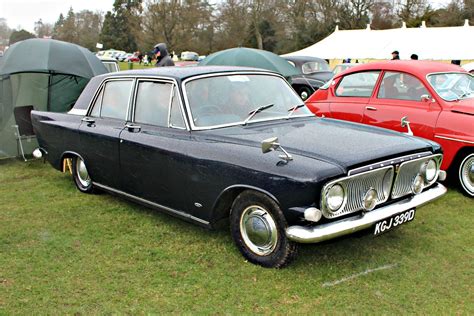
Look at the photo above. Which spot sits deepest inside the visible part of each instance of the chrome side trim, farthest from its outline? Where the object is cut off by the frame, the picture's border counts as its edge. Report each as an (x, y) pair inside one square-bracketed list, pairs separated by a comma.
[(152, 204), (454, 139), (350, 225)]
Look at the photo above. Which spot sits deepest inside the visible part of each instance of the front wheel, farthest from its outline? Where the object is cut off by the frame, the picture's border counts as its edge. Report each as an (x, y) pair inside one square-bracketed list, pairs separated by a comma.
[(81, 176), (258, 229), (466, 174)]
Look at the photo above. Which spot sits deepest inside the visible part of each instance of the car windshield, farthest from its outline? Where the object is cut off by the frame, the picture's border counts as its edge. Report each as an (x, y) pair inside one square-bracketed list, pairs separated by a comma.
[(231, 99), (314, 66), (453, 86)]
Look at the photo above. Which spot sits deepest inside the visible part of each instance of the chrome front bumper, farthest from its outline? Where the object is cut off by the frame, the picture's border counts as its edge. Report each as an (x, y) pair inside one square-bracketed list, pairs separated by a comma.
[(356, 223)]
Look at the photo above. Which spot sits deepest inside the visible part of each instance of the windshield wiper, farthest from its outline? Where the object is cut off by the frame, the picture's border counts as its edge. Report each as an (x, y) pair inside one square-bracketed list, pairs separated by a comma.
[(293, 109), (465, 94), (257, 110)]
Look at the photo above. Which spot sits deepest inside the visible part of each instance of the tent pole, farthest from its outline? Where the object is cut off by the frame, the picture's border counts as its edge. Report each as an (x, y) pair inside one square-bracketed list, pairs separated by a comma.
[(48, 106)]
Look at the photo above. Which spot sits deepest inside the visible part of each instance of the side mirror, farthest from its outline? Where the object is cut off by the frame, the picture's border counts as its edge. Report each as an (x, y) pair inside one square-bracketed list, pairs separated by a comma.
[(405, 123), (270, 144), (426, 98)]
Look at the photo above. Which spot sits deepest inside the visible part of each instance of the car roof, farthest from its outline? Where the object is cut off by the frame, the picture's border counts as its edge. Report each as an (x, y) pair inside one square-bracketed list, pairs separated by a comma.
[(420, 68), (182, 73), (304, 58)]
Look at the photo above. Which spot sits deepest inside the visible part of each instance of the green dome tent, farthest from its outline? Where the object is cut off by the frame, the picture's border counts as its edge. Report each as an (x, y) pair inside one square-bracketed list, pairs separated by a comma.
[(48, 75)]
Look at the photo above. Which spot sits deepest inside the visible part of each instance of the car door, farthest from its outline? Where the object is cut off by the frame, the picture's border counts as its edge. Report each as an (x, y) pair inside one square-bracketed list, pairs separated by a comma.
[(153, 146), (403, 95), (100, 131), (352, 94)]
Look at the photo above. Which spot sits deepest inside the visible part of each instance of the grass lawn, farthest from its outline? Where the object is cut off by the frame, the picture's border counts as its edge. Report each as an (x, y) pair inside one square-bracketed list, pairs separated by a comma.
[(66, 252), (125, 66)]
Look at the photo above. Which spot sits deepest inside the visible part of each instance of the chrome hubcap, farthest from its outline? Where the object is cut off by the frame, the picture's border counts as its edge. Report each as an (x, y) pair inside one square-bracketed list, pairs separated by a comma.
[(466, 174), (82, 173), (258, 230), (304, 95)]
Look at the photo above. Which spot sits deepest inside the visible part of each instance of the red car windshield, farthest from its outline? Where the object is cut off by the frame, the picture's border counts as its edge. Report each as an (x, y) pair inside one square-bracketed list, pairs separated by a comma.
[(453, 86)]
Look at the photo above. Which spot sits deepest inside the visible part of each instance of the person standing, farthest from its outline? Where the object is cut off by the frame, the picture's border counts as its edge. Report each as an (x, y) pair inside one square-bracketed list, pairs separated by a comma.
[(163, 58), (395, 55)]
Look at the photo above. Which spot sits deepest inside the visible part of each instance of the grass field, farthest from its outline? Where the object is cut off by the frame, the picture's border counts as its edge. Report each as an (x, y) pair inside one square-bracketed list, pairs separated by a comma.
[(63, 252)]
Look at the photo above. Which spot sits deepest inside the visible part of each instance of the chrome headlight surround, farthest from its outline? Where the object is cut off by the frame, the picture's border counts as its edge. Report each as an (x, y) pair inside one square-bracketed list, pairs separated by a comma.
[(430, 170), (335, 197)]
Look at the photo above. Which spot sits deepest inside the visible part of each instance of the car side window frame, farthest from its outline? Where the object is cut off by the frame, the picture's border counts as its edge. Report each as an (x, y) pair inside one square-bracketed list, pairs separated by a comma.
[(173, 94), (375, 87), (100, 93), (381, 78)]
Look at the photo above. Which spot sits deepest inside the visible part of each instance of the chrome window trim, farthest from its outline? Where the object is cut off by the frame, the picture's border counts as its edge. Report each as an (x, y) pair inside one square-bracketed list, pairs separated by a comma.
[(343, 182), (102, 87), (341, 79), (224, 73), (173, 87)]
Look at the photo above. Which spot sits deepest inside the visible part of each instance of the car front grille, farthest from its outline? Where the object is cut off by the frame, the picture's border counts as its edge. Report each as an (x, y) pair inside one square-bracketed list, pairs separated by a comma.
[(391, 179)]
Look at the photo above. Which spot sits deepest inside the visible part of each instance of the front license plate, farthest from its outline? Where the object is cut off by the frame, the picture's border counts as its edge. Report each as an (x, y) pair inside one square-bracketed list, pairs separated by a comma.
[(394, 221)]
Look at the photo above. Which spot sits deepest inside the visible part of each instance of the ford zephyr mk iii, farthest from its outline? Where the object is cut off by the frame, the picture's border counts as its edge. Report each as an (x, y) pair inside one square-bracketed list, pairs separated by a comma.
[(213, 143)]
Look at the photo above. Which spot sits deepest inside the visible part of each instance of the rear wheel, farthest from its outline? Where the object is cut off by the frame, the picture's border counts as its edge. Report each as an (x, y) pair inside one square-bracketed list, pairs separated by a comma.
[(258, 229), (466, 174), (81, 176)]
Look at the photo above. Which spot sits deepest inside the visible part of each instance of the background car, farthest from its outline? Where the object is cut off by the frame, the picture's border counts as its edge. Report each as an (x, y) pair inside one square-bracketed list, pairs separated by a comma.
[(124, 57), (341, 67), (469, 67), (110, 63), (315, 72), (431, 100), (189, 56)]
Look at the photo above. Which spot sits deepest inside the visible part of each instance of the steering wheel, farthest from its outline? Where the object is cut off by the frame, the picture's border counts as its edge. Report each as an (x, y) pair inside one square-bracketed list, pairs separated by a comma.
[(209, 109)]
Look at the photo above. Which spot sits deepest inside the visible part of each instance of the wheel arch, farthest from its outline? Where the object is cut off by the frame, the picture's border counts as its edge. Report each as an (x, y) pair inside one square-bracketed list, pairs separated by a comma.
[(68, 155), (226, 198)]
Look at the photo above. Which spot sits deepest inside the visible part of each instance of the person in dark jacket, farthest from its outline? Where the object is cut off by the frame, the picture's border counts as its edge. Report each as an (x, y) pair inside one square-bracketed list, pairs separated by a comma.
[(163, 59)]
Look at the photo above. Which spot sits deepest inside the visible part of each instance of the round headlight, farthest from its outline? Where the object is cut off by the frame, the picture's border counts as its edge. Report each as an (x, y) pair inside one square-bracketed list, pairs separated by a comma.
[(430, 170), (335, 197), (370, 199), (417, 185)]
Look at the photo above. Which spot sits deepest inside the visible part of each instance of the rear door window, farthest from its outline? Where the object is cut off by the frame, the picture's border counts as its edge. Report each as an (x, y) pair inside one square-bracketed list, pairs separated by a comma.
[(360, 84), (113, 100)]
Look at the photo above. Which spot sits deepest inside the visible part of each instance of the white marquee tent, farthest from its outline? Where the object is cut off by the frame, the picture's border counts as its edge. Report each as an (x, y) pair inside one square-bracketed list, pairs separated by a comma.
[(434, 43)]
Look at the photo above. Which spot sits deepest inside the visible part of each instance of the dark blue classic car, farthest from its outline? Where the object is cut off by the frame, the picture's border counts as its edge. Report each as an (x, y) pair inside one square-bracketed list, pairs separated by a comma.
[(213, 143)]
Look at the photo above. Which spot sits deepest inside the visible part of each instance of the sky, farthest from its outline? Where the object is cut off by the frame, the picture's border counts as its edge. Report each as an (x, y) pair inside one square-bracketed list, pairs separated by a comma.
[(24, 13)]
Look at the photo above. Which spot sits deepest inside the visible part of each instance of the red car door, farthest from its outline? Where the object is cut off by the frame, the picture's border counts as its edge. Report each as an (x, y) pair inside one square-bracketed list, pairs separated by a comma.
[(352, 94), (399, 95)]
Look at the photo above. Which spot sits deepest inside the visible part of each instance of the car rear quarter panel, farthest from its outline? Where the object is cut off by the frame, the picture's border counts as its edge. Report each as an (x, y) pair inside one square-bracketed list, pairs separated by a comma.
[(56, 133)]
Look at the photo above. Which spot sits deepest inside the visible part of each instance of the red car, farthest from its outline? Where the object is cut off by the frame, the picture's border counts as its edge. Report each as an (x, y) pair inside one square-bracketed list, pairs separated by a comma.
[(429, 99)]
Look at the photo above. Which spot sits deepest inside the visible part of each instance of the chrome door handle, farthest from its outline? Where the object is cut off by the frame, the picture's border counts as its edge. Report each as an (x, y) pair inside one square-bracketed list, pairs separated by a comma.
[(133, 127), (371, 108), (89, 120)]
